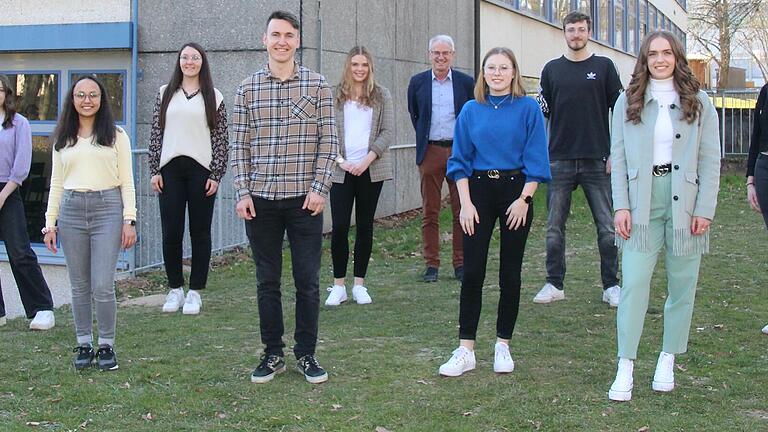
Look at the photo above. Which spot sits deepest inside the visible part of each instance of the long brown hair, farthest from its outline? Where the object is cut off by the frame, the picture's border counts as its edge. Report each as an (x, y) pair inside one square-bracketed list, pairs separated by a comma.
[(206, 87), (481, 88), (686, 85), (371, 95), (8, 105)]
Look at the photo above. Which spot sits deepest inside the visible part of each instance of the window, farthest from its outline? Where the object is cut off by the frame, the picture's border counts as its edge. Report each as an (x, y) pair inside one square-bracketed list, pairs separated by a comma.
[(632, 26), (534, 7), (603, 20), (585, 6), (618, 25), (37, 95), (561, 8), (34, 190), (653, 18), (114, 81), (643, 27)]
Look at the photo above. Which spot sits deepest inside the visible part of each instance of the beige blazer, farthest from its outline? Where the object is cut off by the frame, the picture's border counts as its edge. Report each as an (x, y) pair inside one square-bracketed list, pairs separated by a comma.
[(382, 135)]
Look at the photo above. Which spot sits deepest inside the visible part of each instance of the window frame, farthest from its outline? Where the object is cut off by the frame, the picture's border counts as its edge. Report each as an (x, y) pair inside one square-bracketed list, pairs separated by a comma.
[(58, 74)]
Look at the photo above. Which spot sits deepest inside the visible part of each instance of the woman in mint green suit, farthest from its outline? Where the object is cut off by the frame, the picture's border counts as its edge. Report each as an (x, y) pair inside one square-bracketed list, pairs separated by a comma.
[(666, 165)]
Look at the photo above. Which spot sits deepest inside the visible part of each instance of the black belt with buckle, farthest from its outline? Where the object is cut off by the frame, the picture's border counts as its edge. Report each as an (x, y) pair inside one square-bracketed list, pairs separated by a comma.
[(495, 174), (443, 143), (662, 170)]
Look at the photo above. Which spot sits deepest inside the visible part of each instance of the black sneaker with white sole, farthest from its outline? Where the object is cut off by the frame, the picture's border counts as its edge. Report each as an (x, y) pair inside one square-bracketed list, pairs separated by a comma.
[(270, 365), (107, 358), (312, 370), (85, 356)]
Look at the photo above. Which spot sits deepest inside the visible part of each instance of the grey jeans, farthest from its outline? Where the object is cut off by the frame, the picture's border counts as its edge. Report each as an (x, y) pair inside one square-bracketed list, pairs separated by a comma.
[(90, 231)]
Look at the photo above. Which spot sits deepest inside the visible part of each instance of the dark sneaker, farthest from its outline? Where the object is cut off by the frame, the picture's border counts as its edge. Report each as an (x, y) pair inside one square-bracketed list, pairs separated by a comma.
[(458, 273), (311, 369), (271, 365), (430, 275), (85, 356), (107, 358)]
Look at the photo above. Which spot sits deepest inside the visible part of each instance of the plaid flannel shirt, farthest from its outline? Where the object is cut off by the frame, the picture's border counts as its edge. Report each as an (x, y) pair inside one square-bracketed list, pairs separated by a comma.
[(285, 141)]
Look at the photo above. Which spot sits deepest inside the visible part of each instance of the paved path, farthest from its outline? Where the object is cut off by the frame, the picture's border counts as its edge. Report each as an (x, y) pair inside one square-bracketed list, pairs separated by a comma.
[(57, 279)]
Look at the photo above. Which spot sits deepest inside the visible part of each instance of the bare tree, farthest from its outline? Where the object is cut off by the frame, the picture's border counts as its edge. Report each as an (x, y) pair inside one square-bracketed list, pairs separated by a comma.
[(754, 40), (715, 23)]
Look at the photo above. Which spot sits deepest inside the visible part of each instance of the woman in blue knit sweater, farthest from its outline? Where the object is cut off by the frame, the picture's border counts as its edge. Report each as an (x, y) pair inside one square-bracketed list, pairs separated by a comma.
[(499, 158)]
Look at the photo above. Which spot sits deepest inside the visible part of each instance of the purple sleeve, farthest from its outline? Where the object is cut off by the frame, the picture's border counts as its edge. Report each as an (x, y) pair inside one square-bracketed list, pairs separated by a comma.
[(23, 157)]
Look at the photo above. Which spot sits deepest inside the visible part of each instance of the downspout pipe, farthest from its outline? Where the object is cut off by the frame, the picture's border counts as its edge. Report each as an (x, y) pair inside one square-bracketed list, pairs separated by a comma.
[(134, 97)]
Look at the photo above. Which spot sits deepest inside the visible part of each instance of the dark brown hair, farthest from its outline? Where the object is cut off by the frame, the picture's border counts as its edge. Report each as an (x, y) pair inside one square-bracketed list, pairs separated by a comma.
[(575, 17), (686, 85), (371, 94), (104, 131), (206, 87), (481, 88), (8, 106), (285, 16)]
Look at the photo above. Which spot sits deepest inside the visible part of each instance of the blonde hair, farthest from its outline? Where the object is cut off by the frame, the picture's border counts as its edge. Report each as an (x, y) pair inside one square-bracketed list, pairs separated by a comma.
[(371, 95), (481, 87)]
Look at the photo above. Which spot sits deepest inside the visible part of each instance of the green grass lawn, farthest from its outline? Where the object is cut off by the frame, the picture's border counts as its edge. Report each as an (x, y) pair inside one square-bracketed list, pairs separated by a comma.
[(192, 373)]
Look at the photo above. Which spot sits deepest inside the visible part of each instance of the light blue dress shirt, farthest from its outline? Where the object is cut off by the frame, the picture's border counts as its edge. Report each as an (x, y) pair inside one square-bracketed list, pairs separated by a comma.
[(443, 113)]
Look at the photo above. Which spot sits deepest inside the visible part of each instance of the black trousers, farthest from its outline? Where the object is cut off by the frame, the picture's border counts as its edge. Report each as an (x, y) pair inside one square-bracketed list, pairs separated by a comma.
[(184, 187), (761, 184), (305, 234), (364, 194), (491, 198), (34, 292)]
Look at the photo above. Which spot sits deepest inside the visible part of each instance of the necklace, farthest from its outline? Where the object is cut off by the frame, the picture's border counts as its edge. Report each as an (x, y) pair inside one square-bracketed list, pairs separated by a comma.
[(497, 105)]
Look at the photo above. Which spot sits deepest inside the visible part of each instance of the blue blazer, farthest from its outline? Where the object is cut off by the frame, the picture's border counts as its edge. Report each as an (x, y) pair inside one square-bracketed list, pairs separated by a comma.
[(420, 103)]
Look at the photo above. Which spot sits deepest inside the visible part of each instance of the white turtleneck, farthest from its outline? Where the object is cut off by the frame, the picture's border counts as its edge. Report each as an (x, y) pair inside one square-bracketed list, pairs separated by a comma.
[(663, 91)]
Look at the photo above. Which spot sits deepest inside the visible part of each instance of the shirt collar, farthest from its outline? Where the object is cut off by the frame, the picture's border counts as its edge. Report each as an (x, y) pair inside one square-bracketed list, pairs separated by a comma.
[(269, 75), (447, 78)]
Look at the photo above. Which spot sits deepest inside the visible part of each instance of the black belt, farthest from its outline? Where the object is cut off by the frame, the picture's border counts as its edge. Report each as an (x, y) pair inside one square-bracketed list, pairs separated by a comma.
[(494, 174), (443, 143), (662, 170)]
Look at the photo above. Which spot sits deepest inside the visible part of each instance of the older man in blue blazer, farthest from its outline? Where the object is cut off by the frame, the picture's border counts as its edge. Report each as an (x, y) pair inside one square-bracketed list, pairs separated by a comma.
[(435, 98)]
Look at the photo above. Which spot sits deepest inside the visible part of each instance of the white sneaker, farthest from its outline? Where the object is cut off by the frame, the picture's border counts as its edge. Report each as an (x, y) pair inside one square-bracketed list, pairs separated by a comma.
[(2, 321), (664, 378), (192, 303), (462, 360), (502, 359), (612, 295), (174, 300), (337, 296), (621, 389), (360, 295), (549, 294), (765, 329), (44, 320)]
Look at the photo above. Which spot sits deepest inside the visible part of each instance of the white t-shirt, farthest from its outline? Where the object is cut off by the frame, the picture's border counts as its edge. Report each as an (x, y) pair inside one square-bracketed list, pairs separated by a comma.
[(358, 120), (663, 134)]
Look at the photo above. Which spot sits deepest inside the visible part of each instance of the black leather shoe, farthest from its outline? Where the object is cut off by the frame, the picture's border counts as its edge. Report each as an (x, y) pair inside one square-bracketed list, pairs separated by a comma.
[(430, 275), (458, 273)]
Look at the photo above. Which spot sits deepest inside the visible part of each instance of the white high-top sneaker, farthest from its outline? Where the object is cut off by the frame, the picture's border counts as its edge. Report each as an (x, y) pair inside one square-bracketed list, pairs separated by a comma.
[(664, 378), (621, 389)]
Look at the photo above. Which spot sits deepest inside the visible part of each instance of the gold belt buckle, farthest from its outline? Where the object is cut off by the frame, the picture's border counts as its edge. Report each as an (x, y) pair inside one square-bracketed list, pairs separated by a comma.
[(494, 174)]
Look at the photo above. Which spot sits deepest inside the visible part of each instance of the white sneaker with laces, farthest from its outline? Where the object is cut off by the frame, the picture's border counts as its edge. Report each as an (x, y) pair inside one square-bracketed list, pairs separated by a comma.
[(462, 360), (549, 294), (174, 300), (502, 359), (192, 303), (337, 296), (664, 378), (621, 389), (44, 320), (612, 295), (360, 295), (765, 329)]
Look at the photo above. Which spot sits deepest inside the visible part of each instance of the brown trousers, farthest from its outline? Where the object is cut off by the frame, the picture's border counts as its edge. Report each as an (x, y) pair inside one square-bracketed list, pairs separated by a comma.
[(432, 170)]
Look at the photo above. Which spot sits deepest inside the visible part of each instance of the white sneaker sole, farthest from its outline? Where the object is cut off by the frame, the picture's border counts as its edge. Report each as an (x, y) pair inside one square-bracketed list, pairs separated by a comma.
[(606, 300), (663, 386), (266, 379), (190, 311), (168, 309), (548, 300), (452, 374), (619, 396), (504, 370), (363, 301), (40, 327), (317, 380)]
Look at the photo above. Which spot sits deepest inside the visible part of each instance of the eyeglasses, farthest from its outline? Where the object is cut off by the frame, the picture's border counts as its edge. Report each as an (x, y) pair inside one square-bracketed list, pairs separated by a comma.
[(193, 58), (81, 95), (501, 69), (441, 53)]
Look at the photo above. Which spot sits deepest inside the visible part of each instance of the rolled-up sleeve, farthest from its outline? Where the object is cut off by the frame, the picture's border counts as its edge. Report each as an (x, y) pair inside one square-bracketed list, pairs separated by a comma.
[(241, 144)]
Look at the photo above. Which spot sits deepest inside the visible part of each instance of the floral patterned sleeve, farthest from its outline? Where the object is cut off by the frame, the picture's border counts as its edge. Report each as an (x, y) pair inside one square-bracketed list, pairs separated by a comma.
[(219, 145), (155, 140)]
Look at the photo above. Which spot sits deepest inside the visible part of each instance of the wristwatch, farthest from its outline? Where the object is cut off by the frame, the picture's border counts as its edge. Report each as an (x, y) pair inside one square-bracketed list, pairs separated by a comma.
[(129, 222), (340, 160), (527, 198)]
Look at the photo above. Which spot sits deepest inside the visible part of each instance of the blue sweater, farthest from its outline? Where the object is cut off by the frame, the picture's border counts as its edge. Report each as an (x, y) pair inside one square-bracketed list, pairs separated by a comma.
[(507, 138)]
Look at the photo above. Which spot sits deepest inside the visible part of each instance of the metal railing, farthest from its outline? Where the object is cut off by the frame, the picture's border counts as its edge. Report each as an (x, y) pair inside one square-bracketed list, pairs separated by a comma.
[(736, 113), (227, 230)]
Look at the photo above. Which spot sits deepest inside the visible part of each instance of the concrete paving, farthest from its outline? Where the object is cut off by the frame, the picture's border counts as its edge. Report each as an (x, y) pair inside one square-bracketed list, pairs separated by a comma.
[(58, 282)]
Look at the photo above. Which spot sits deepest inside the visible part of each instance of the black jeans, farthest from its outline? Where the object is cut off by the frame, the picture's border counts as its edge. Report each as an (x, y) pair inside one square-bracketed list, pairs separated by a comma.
[(364, 194), (34, 292), (491, 198), (184, 185), (591, 176), (761, 184), (305, 234)]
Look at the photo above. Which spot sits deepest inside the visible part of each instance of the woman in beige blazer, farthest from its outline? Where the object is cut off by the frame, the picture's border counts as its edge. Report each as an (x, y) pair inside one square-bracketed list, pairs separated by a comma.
[(364, 119)]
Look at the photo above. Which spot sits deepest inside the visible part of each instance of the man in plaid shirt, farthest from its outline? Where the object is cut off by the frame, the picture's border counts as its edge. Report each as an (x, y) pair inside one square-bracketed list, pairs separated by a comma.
[(283, 154)]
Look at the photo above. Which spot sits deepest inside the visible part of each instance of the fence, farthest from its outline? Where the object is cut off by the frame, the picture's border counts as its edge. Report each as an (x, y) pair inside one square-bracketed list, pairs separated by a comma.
[(736, 113), (227, 230)]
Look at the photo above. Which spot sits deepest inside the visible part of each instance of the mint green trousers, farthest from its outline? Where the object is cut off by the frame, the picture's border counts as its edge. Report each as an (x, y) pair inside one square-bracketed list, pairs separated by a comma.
[(637, 269)]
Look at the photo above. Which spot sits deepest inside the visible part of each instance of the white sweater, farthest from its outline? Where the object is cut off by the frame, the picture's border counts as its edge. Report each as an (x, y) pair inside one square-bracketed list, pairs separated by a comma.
[(663, 135)]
